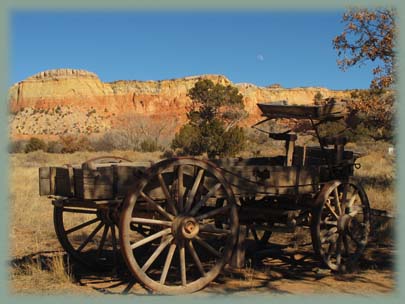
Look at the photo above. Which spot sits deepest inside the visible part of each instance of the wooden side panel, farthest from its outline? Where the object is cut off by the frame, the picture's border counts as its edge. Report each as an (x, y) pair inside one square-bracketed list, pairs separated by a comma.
[(107, 181), (94, 184), (277, 180), (63, 182), (55, 181), (45, 187), (125, 177)]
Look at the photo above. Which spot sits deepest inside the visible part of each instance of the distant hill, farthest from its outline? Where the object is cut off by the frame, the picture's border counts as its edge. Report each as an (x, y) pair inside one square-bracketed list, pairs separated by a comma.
[(68, 101)]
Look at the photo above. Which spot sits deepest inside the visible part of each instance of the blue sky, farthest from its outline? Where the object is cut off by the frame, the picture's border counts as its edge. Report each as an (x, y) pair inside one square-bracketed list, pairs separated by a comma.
[(293, 49)]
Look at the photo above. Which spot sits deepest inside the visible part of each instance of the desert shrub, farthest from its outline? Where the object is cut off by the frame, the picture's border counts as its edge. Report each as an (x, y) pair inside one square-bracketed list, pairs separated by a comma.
[(167, 153), (17, 146), (71, 143), (35, 144), (149, 145), (54, 147), (116, 140)]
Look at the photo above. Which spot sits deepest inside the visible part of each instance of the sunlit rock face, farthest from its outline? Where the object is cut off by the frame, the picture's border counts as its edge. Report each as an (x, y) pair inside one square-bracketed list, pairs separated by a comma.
[(69, 101)]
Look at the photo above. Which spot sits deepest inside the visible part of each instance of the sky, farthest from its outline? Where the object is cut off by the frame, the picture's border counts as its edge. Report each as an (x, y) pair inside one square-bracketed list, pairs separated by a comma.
[(290, 48)]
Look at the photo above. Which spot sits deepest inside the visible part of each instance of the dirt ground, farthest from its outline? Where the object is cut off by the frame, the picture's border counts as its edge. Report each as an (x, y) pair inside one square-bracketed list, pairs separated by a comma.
[(279, 269)]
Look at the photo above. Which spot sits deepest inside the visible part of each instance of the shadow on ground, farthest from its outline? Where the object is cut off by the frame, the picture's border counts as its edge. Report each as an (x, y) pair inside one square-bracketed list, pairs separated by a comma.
[(264, 271)]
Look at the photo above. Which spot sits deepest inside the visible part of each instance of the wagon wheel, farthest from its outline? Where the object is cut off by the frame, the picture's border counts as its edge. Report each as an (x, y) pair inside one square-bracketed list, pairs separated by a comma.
[(88, 233), (186, 250), (341, 225), (91, 163)]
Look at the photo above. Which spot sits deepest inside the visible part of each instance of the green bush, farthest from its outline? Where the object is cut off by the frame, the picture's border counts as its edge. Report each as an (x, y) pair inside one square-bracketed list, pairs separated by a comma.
[(212, 117), (149, 145), (35, 144), (234, 141), (187, 140)]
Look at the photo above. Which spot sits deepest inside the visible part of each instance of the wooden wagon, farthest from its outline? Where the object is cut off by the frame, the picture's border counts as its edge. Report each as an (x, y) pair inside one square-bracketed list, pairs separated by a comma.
[(176, 223)]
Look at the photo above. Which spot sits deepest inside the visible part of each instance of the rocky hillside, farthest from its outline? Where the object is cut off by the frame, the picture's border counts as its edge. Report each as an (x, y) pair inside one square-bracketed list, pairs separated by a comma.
[(66, 101)]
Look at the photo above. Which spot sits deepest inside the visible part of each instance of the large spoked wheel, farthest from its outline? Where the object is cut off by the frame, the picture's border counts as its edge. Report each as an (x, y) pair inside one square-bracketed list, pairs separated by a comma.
[(341, 225), (88, 233), (176, 201)]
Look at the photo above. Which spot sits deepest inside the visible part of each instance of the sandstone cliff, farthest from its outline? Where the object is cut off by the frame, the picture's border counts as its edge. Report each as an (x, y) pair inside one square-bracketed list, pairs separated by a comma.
[(66, 101)]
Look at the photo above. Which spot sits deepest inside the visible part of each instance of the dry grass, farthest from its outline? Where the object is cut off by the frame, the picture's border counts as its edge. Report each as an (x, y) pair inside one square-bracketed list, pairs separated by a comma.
[(31, 226), (32, 237)]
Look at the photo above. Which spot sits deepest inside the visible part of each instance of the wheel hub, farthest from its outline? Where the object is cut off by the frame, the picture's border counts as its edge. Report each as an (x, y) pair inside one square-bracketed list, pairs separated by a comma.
[(108, 215), (185, 227)]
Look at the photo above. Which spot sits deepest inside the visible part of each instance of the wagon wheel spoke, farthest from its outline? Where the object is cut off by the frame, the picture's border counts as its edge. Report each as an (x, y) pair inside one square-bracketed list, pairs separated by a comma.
[(180, 189), (355, 210), (140, 220), (84, 211), (151, 238), (156, 206), (156, 253), (90, 237), (140, 229), (328, 222), (327, 204), (102, 241), (193, 191), (337, 201), (195, 257), (210, 193), (212, 229), (81, 226), (213, 213), (166, 192), (208, 247), (182, 254), (114, 243), (168, 261), (344, 199), (353, 198)]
